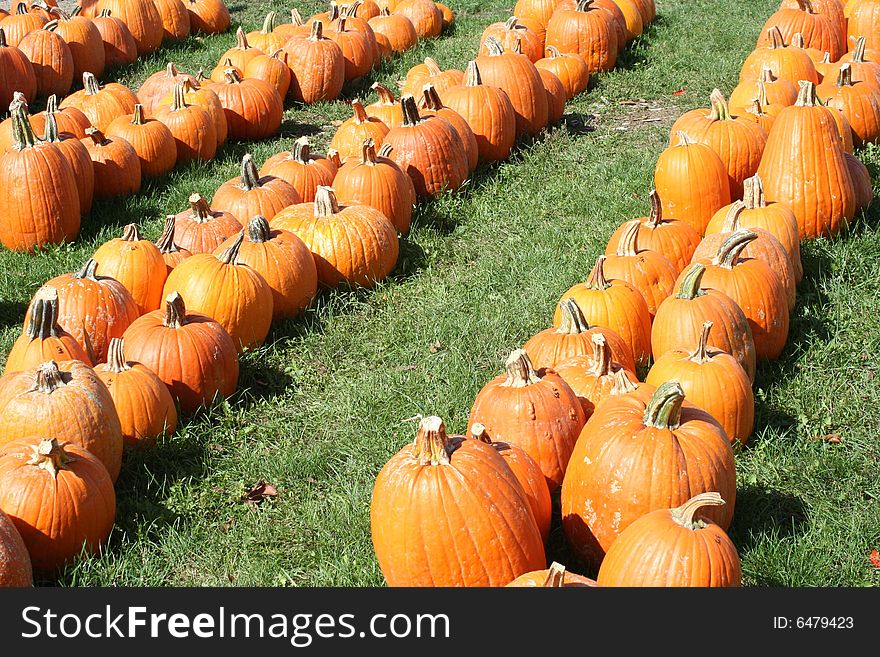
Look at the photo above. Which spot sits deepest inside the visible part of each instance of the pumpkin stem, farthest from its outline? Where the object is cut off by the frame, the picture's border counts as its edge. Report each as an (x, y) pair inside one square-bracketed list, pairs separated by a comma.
[(797, 40), (517, 45), (63, 15), (720, 109), (622, 383), (430, 445), (341, 22), (432, 66), (386, 96), (333, 156), (493, 46), (385, 150), (165, 243), (385, 11), (689, 288), (753, 193), (51, 132), (369, 152), (519, 370), (478, 432), (683, 139), (90, 84), (807, 96), (88, 270), (317, 31), (510, 23), (472, 75), (97, 136), (295, 17), (656, 217), (732, 247), (776, 40), (601, 355), (571, 318), (859, 52), (116, 356), (232, 75), (22, 131), (731, 220), (51, 25), (50, 456), (178, 100), (766, 75), (326, 204), (3, 38), (250, 177), (229, 256), (664, 409), (360, 114), (701, 354), (685, 514), (555, 576), (597, 280), (352, 9), (844, 77), (201, 211), (44, 314), (269, 22), (431, 99), (241, 41), (137, 118), (628, 243), (175, 311), (131, 233), (410, 110), (301, 150), (258, 230), (52, 104), (171, 70), (48, 377)]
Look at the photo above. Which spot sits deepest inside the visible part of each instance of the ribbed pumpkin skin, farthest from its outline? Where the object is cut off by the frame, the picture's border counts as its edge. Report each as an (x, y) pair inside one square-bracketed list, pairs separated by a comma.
[(137, 264), (421, 74), (17, 26), (253, 108), (831, 9), (271, 69), (249, 195), (510, 34), (785, 62), (93, 309), (495, 538), (426, 17), (208, 101), (116, 164), (528, 474), (16, 74), (84, 41), (538, 578), (864, 21), (349, 138), (77, 155), (817, 30), (593, 377), (591, 34), (862, 184), (193, 129), (305, 171), (570, 68), (656, 550), (143, 21), (809, 176), (540, 10), (556, 96), (120, 48), (161, 84), (359, 50), (41, 338), (859, 102), (621, 469), (75, 407), (317, 67), (196, 360), (51, 59), (543, 416), (15, 562), (175, 19), (201, 229), (103, 104), (433, 106), (398, 29), (553, 346), (152, 142), (208, 16)]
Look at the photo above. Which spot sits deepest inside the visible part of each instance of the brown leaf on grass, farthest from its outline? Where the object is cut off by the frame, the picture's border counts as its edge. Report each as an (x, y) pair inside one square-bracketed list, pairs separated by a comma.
[(874, 558), (435, 347), (833, 438), (258, 492)]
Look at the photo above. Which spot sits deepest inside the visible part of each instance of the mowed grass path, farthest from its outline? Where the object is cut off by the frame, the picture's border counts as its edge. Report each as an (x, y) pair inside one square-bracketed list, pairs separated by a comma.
[(325, 402)]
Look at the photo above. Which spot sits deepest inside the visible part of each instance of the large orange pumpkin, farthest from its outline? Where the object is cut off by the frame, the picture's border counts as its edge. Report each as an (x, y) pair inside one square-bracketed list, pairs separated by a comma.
[(16, 73), (136, 263), (317, 66), (431, 105), (84, 41), (142, 19), (196, 94), (588, 31), (349, 138), (101, 104), (425, 15), (208, 16), (249, 194), (305, 170), (785, 62), (192, 127), (151, 140), (570, 68), (51, 59), (201, 229), (510, 33), (818, 30), (858, 101), (120, 48), (15, 562), (253, 108), (77, 155), (116, 164)]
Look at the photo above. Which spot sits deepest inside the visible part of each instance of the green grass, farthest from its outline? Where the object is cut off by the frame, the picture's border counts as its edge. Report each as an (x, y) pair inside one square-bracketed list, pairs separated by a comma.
[(324, 403)]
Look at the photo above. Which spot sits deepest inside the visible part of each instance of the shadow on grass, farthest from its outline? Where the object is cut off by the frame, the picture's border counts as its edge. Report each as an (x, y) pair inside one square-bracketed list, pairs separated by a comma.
[(12, 312), (763, 511)]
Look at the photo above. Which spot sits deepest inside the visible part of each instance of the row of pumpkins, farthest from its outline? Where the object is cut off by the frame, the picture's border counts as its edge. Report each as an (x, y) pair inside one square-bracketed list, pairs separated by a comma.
[(700, 290), (105, 139), (45, 50), (163, 323)]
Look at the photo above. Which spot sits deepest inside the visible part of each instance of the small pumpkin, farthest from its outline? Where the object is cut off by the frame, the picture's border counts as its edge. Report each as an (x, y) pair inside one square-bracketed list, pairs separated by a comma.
[(570, 68), (267, 39), (172, 254), (776, 91), (116, 163), (136, 263), (317, 66), (120, 48), (301, 168), (858, 101), (152, 141), (201, 228), (861, 179), (554, 577), (387, 108), (16, 73), (253, 108), (349, 138), (556, 96), (864, 67), (397, 28), (270, 68), (426, 17), (429, 71), (208, 16), (785, 62), (249, 194), (159, 85), (240, 54), (101, 104), (511, 31), (51, 59)]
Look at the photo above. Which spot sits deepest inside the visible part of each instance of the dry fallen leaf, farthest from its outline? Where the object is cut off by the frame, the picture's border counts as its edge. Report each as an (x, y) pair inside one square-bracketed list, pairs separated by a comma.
[(829, 438), (435, 347), (259, 492), (874, 558)]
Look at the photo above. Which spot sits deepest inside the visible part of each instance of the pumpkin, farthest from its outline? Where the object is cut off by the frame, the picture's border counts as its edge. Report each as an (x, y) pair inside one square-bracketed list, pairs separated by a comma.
[(176, 24), (488, 112), (253, 108), (831, 9), (15, 562), (535, 410), (785, 62), (825, 68), (426, 17), (51, 60), (266, 39), (673, 547), (495, 539), (757, 289), (775, 218), (429, 71), (21, 23), (172, 254), (863, 20), (647, 271), (143, 402), (377, 181), (766, 248), (863, 68), (675, 240), (317, 66), (638, 454), (69, 120), (70, 504), (817, 30), (301, 168), (862, 185), (42, 338), (151, 140), (592, 377), (159, 85), (240, 54), (66, 400), (431, 105), (776, 91), (137, 264), (573, 338), (554, 577), (196, 94), (116, 163), (520, 80), (739, 143), (539, 10), (201, 229), (844, 131), (356, 244), (101, 104), (588, 31), (397, 28), (617, 305), (93, 309), (809, 176), (364, 9), (143, 21), (760, 113), (679, 321), (270, 68), (528, 474), (16, 73), (77, 155), (349, 137), (556, 96), (510, 32), (120, 48), (190, 352), (283, 261), (249, 194), (387, 108), (192, 129), (632, 17), (218, 73), (327, 17), (208, 16), (296, 27), (858, 101), (359, 49), (38, 191), (570, 68)]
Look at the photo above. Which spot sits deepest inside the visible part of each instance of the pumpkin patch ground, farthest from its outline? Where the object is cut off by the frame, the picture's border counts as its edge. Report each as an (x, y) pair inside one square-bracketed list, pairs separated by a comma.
[(328, 397)]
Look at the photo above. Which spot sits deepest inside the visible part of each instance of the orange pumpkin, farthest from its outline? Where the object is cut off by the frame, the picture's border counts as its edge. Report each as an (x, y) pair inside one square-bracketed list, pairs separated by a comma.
[(201, 229), (510, 33), (142, 19), (151, 140), (570, 68), (858, 101), (588, 31), (16, 571), (426, 16), (800, 17), (862, 183), (120, 48), (69, 120), (84, 40), (776, 91), (254, 108), (387, 108), (176, 23), (172, 254), (785, 62), (267, 39), (272, 69), (195, 94), (77, 155), (51, 59), (249, 194), (429, 71), (302, 169), (137, 264), (161, 84), (192, 128), (208, 16), (116, 164), (554, 577), (397, 28), (349, 138), (101, 104), (317, 66), (431, 105)]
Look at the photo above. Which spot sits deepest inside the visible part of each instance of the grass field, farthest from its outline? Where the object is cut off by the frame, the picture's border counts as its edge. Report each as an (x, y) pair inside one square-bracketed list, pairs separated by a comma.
[(324, 403)]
